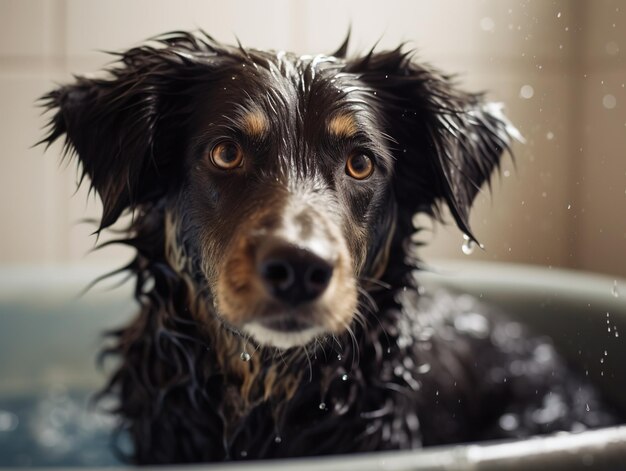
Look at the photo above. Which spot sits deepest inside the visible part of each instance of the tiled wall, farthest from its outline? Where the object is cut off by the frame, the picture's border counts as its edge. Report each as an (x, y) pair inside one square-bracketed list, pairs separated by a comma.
[(558, 205)]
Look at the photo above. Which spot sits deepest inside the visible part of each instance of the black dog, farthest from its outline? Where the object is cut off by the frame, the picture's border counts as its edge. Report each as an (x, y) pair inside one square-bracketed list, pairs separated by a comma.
[(273, 199)]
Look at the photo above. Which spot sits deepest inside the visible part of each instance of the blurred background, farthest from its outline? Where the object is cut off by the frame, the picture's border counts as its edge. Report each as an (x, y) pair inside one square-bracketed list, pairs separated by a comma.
[(559, 67)]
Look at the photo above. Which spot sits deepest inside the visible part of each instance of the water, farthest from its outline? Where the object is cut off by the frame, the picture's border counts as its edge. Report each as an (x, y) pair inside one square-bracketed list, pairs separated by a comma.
[(527, 92), (55, 427), (468, 245), (245, 356)]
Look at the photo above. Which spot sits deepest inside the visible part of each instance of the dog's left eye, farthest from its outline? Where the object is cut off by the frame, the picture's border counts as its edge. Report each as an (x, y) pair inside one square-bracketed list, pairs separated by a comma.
[(359, 166), (227, 155)]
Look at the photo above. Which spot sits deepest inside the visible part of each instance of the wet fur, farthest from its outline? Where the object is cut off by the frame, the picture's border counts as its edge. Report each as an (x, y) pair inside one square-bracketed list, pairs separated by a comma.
[(412, 369)]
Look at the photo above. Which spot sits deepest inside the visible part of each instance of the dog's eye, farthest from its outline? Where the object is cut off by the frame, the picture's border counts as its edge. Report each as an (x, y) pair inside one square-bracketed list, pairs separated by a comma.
[(227, 155), (359, 166)]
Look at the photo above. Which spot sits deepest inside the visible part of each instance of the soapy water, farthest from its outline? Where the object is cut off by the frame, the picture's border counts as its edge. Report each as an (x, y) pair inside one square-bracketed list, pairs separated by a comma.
[(55, 427)]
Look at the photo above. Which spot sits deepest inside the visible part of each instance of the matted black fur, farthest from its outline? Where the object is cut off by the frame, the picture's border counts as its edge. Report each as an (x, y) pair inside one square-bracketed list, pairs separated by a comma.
[(413, 369)]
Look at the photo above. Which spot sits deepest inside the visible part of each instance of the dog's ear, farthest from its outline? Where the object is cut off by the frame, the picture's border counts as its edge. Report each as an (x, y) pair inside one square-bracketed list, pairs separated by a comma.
[(120, 126), (446, 142)]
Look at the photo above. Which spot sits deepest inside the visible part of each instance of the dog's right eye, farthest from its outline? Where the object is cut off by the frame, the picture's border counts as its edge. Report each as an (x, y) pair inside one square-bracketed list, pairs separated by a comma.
[(227, 155)]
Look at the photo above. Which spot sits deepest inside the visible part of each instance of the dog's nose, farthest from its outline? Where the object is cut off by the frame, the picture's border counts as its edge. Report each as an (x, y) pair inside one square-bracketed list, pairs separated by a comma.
[(294, 275)]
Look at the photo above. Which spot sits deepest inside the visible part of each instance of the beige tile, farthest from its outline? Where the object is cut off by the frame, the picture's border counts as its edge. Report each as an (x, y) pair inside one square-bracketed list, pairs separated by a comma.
[(29, 203), (29, 28), (604, 36), (600, 231), (93, 25), (448, 30)]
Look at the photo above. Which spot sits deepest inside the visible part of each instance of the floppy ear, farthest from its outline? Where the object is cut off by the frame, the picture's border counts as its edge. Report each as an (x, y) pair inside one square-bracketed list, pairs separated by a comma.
[(446, 142), (120, 127)]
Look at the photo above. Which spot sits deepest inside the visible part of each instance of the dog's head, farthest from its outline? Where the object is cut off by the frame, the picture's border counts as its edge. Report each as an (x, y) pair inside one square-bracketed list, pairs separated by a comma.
[(285, 178)]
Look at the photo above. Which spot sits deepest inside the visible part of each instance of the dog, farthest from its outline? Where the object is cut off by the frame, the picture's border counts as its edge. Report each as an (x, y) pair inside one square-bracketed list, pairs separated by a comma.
[(272, 199)]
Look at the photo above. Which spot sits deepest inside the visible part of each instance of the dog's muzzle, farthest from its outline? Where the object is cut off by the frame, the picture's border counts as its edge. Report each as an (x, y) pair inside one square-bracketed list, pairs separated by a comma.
[(286, 283)]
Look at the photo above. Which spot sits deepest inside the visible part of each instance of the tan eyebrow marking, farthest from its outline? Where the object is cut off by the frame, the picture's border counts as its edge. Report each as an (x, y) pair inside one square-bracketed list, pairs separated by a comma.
[(343, 125), (255, 123)]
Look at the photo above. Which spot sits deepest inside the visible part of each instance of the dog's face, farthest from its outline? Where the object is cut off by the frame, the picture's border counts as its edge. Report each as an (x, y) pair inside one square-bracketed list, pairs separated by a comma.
[(283, 178), (287, 174)]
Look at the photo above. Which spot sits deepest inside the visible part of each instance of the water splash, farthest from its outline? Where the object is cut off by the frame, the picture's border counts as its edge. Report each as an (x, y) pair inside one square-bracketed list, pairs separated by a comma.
[(245, 356)]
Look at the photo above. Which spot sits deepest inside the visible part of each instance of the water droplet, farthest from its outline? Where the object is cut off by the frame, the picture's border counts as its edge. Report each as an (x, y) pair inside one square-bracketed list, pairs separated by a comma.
[(569, 206), (611, 48), (388, 350), (614, 292), (601, 360), (8, 421), (322, 406), (616, 333), (509, 422), (423, 369), (244, 453), (339, 357), (606, 353), (487, 24), (468, 245), (550, 135), (587, 407), (526, 92), (609, 101), (437, 392), (245, 356), (344, 378), (278, 439)]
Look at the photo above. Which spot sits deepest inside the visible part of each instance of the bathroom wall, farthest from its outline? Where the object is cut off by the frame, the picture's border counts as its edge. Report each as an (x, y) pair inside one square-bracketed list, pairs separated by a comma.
[(559, 67)]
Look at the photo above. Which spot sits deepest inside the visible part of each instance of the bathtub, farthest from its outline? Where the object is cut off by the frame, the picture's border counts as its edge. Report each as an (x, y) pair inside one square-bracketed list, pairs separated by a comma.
[(49, 338)]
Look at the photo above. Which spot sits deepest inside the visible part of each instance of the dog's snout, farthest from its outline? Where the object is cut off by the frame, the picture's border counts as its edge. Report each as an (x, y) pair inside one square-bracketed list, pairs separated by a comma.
[(294, 275)]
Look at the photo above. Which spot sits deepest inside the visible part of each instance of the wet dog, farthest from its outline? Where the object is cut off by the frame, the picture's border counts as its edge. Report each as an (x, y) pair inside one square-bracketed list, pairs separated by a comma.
[(273, 198)]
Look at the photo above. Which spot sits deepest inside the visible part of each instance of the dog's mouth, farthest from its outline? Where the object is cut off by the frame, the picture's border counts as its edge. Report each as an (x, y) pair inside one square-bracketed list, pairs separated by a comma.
[(283, 332), (285, 324)]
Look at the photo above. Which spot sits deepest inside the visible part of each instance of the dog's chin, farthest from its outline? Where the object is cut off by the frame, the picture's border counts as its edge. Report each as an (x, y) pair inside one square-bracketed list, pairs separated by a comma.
[(282, 333)]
